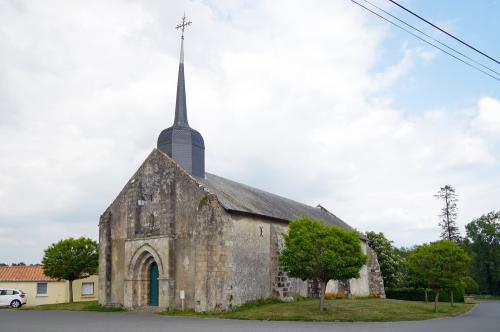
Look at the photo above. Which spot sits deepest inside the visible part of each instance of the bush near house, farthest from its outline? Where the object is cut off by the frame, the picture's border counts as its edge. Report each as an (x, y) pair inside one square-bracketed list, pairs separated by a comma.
[(418, 294)]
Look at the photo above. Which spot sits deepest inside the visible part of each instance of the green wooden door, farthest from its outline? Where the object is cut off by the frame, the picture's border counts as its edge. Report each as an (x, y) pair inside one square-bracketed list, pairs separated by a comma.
[(153, 285)]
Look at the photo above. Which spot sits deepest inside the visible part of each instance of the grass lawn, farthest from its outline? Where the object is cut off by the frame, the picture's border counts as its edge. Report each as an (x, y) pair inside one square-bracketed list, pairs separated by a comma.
[(75, 306), (347, 310)]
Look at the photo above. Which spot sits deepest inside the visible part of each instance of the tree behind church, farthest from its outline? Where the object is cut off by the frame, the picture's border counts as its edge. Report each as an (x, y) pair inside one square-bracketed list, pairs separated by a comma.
[(71, 259), (448, 223), (316, 251)]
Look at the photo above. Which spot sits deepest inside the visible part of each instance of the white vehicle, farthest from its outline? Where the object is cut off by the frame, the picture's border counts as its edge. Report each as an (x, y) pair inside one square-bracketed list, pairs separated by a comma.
[(14, 298)]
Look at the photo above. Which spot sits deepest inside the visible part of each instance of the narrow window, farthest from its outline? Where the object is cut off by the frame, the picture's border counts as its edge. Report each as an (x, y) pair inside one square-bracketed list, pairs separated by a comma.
[(151, 221), (41, 288), (87, 288)]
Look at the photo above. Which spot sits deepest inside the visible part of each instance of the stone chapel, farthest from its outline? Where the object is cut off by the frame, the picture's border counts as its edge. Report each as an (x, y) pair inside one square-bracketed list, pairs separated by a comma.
[(178, 236)]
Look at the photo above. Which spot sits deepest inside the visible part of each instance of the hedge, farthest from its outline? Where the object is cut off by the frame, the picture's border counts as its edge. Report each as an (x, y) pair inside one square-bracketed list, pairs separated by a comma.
[(418, 294)]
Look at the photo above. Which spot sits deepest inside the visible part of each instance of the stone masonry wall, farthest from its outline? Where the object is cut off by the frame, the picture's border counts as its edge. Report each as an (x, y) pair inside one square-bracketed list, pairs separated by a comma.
[(281, 285), (166, 213), (375, 281)]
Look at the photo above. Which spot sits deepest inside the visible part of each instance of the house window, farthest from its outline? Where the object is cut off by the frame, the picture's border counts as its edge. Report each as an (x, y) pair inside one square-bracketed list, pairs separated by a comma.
[(41, 288), (87, 288)]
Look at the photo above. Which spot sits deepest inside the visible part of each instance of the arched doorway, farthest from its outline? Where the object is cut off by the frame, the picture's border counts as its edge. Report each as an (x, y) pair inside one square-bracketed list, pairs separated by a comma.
[(146, 277), (153, 284)]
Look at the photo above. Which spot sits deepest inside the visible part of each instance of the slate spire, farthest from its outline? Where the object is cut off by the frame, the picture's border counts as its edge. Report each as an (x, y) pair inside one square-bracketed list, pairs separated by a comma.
[(181, 142), (180, 101)]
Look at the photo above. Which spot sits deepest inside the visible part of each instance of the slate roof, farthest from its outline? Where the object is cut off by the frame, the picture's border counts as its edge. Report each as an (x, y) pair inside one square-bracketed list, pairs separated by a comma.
[(23, 273), (241, 198)]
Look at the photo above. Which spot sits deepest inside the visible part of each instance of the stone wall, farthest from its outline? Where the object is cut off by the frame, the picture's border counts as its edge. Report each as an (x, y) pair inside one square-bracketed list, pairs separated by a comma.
[(251, 259), (212, 241), (164, 215), (281, 285), (375, 281)]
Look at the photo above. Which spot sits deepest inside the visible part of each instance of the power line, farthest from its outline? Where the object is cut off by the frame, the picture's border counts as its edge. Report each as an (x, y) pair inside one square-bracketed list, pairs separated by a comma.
[(436, 40), (428, 42), (449, 34)]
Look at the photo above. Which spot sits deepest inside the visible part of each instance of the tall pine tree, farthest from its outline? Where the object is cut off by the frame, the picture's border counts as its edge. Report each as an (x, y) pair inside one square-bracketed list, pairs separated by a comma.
[(448, 223)]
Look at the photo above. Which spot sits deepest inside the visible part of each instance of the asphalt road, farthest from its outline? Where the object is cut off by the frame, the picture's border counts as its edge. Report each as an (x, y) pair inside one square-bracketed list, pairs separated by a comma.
[(485, 317)]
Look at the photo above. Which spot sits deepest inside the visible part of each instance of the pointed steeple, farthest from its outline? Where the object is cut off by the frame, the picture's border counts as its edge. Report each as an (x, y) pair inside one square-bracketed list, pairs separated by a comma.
[(180, 101), (181, 142)]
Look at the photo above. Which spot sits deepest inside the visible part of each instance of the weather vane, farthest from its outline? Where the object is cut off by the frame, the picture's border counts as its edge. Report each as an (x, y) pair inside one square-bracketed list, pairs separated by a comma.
[(183, 25)]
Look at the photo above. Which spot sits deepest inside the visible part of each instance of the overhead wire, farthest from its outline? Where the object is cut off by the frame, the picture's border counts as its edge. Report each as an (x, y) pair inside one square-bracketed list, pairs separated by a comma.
[(426, 41), (429, 36), (444, 31)]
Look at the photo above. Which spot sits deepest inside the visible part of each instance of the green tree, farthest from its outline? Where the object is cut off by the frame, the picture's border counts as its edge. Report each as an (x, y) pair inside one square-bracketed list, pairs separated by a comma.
[(440, 265), (390, 262), (316, 251), (71, 259), (448, 223), (469, 285), (483, 243), (18, 264)]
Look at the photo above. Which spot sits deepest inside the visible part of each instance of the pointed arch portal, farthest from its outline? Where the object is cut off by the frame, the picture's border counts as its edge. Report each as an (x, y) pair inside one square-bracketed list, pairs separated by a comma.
[(145, 270)]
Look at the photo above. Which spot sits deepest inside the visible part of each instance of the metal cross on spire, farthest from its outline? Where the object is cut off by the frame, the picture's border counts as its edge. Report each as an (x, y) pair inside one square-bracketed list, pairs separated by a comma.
[(183, 25)]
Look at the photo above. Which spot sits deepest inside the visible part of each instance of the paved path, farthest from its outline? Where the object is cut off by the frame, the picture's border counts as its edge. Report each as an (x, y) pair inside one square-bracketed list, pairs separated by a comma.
[(486, 317)]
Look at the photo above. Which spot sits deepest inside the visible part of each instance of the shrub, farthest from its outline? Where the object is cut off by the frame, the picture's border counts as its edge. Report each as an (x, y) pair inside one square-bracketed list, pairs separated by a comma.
[(340, 295), (418, 294), (329, 295)]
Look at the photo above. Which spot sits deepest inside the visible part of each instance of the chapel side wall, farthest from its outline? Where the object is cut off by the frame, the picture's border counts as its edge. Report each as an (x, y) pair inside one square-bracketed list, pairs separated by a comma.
[(256, 269), (251, 259)]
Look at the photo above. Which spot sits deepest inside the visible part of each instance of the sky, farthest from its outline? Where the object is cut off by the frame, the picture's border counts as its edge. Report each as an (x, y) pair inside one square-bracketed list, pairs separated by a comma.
[(318, 101)]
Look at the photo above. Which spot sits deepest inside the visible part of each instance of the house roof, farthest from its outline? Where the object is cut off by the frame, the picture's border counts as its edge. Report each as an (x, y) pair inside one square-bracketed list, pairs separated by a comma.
[(23, 273), (238, 197)]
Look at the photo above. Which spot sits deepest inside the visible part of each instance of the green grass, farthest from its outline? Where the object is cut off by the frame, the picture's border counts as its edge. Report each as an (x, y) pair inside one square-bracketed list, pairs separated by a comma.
[(348, 310), (75, 306)]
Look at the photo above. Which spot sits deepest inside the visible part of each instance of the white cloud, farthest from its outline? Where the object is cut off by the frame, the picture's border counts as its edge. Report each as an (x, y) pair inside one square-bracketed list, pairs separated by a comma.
[(488, 118), (286, 101)]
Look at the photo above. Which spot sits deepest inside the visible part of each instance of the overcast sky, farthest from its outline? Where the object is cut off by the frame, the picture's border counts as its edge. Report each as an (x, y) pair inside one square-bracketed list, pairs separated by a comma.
[(318, 101)]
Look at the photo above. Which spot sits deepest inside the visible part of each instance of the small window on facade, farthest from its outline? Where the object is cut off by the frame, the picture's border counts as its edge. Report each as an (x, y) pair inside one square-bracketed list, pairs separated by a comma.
[(87, 288), (41, 288)]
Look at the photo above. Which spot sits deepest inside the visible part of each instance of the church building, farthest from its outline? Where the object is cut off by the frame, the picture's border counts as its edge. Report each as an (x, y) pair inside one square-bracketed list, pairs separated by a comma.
[(179, 237)]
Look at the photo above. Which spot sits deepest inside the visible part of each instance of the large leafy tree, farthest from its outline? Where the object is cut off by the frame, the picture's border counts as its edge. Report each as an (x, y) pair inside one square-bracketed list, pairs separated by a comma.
[(438, 265), (316, 251), (448, 223), (71, 259), (390, 262), (483, 242)]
